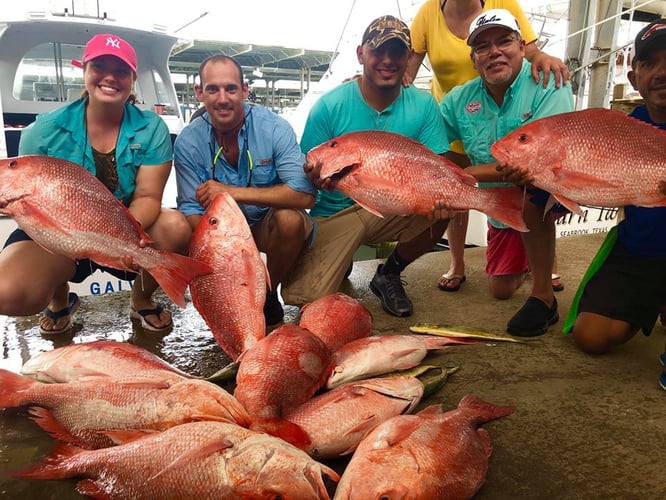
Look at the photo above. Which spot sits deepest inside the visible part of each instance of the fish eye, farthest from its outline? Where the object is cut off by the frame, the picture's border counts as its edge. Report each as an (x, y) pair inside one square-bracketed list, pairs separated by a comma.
[(522, 137), (13, 163), (213, 221), (333, 144)]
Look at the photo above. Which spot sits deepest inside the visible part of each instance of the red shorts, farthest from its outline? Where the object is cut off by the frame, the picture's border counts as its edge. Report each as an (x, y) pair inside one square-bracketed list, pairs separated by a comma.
[(505, 253)]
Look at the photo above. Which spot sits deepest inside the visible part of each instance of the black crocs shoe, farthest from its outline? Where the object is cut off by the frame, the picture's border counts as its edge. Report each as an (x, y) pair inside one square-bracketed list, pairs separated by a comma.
[(533, 319), (389, 289), (273, 311)]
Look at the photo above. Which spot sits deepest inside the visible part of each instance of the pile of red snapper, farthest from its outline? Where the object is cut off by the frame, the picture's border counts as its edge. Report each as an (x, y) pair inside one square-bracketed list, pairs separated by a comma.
[(164, 434)]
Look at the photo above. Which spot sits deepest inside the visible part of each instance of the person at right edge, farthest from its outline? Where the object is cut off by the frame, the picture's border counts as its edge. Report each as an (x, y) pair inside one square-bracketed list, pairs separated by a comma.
[(503, 98), (624, 289)]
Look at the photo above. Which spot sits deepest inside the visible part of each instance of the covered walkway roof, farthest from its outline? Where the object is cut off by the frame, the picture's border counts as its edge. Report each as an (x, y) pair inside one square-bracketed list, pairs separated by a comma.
[(259, 62)]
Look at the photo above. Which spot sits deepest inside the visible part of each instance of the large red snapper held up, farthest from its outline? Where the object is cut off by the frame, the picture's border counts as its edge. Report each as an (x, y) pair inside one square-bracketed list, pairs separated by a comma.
[(428, 455), (596, 157), (80, 412), (336, 319), (68, 211), (390, 174), (231, 298), (197, 460), (99, 358), (281, 371)]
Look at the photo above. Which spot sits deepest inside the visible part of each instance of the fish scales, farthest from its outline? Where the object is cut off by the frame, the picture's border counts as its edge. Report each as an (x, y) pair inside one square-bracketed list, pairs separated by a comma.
[(80, 412), (282, 370), (439, 454), (68, 211), (390, 174), (99, 358), (192, 461), (337, 420), (596, 157), (336, 319), (231, 298)]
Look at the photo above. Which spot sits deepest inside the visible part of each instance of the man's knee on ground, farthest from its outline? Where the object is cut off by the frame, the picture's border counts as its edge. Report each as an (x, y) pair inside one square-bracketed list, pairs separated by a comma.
[(596, 334)]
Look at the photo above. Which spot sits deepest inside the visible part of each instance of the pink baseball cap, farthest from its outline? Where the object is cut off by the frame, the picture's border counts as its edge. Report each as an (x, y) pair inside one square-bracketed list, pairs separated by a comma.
[(108, 45)]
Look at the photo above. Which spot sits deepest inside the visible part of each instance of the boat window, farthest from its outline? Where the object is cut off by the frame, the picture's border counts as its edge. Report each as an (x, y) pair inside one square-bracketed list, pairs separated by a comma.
[(164, 106)]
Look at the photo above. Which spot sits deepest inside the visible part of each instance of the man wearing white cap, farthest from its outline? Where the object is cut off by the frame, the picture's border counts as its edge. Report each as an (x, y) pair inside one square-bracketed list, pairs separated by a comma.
[(503, 98)]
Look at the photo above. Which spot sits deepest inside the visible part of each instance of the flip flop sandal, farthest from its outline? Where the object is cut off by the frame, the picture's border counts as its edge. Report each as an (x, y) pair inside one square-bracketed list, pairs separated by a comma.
[(557, 285), (73, 303), (445, 279), (141, 316)]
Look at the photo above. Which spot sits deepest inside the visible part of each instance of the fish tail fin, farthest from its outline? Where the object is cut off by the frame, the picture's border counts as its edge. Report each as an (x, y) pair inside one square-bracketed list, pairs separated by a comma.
[(506, 205), (56, 465), (175, 272), (278, 427), (13, 388), (483, 411)]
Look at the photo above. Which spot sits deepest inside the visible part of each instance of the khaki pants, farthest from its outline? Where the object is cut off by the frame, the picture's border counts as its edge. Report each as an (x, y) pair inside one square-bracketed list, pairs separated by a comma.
[(320, 269)]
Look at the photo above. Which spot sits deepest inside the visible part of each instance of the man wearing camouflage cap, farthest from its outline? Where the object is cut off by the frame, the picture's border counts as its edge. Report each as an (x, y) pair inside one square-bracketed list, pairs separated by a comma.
[(374, 101)]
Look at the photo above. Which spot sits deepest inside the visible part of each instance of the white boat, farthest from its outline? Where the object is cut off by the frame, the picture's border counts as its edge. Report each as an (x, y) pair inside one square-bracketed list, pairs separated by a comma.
[(37, 76)]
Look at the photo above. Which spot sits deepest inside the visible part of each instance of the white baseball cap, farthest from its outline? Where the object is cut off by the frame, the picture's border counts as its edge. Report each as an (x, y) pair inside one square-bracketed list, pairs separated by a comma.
[(492, 18)]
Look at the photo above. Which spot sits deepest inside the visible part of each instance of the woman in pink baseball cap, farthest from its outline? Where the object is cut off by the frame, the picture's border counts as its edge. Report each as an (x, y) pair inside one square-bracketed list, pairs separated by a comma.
[(129, 150)]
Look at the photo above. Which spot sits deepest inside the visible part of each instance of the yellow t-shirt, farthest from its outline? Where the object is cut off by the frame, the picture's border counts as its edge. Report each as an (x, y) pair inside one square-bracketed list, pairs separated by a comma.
[(449, 55)]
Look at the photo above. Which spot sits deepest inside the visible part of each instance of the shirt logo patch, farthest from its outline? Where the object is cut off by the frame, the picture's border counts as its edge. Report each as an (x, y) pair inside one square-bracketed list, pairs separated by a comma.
[(526, 115), (265, 161), (473, 106)]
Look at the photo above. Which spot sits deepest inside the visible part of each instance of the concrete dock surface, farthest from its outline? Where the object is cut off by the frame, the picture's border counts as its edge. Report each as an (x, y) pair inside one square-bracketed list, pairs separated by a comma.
[(585, 427)]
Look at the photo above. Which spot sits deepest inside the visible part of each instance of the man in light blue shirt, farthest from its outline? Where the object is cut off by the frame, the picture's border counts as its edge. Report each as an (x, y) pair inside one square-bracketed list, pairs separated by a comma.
[(503, 98), (251, 153)]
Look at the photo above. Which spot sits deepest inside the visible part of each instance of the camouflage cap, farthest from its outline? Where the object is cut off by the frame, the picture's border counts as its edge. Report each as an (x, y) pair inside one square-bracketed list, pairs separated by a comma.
[(385, 28)]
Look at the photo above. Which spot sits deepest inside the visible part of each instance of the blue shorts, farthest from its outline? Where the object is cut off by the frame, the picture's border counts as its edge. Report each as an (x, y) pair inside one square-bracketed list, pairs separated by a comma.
[(84, 267)]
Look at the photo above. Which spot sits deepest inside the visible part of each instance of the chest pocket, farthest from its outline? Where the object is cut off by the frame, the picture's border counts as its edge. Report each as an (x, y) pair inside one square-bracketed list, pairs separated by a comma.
[(480, 133), (477, 135), (264, 173)]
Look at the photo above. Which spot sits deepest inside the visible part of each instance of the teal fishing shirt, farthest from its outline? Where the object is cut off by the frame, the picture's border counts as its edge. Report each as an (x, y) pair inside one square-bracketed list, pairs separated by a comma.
[(472, 116), (143, 140), (341, 110)]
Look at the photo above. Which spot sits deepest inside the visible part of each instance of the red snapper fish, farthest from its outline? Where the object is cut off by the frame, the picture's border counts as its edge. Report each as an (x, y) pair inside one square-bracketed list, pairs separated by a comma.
[(438, 455), (231, 298), (390, 174), (68, 211), (80, 412), (596, 157), (337, 420), (380, 354), (99, 358), (281, 371), (192, 461), (336, 319)]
